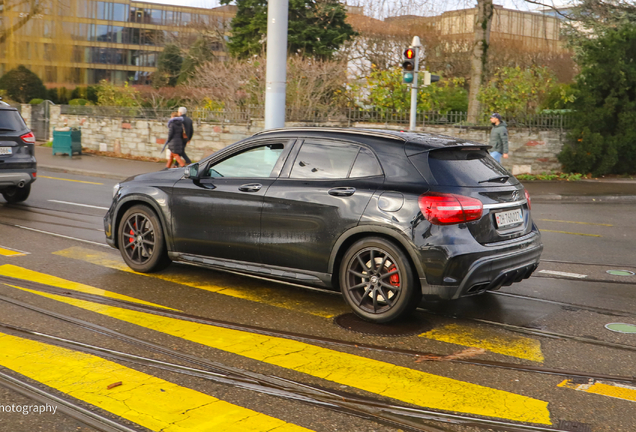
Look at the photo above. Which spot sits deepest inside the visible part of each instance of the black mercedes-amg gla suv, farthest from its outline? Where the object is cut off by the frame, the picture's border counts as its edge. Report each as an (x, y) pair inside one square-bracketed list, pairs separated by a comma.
[(385, 217)]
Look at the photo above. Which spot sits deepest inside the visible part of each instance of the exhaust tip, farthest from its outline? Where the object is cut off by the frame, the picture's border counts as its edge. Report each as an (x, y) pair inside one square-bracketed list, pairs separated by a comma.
[(21, 184)]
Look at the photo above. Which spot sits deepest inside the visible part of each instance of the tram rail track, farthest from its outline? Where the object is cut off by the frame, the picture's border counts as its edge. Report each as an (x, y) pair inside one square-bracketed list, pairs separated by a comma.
[(400, 416), (333, 342)]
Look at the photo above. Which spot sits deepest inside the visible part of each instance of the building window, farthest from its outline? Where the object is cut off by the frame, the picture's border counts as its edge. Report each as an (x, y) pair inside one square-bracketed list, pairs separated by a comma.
[(84, 9), (50, 74), (64, 7), (134, 36), (48, 28), (118, 35), (186, 18), (120, 12), (78, 54), (102, 34), (169, 18), (103, 11), (156, 16)]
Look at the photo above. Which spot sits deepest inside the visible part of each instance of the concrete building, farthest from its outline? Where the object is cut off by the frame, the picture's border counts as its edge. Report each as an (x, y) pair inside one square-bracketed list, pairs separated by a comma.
[(83, 42), (529, 31)]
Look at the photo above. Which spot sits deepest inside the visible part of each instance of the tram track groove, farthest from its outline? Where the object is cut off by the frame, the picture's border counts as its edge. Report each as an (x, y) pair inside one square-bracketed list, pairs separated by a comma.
[(337, 342), (361, 406)]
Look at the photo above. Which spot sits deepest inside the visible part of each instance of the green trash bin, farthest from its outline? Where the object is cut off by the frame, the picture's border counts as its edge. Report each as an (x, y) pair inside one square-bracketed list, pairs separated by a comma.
[(67, 142)]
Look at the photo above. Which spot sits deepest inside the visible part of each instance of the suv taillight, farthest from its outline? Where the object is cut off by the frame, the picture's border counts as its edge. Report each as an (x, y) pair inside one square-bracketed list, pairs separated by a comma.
[(528, 199), (28, 138), (449, 209)]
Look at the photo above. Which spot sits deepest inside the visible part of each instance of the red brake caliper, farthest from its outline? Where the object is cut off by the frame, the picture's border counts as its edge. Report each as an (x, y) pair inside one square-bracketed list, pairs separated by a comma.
[(395, 278), (132, 233)]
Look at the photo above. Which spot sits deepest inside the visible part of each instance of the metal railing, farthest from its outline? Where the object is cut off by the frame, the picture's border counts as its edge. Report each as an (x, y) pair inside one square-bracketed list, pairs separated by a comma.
[(345, 117)]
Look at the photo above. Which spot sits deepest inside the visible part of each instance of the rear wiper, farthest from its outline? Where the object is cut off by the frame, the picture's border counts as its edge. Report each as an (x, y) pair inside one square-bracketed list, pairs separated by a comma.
[(500, 179)]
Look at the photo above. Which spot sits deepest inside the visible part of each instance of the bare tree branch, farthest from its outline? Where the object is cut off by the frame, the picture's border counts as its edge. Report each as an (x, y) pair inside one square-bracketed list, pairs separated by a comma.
[(36, 7)]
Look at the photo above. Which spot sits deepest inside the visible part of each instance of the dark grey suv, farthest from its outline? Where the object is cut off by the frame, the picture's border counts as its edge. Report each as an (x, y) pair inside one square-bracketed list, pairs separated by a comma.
[(385, 217), (18, 168)]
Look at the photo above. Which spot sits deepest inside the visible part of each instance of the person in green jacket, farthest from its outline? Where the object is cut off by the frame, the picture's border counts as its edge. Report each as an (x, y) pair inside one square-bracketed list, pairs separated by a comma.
[(498, 138)]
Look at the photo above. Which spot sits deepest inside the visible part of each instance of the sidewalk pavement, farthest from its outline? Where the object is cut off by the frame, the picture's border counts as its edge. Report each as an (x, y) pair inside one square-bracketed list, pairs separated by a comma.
[(592, 191), (93, 165)]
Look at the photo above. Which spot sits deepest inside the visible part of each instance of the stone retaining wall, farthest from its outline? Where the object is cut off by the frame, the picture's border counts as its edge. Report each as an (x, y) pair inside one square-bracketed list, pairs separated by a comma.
[(531, 150)]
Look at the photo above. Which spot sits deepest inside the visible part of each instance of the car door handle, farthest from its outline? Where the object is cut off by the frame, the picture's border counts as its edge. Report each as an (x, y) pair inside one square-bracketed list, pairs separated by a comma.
[(252, 187), (342, 191)]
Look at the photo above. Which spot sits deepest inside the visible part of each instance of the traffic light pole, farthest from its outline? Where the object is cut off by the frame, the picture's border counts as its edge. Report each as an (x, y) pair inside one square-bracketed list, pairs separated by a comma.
[(276, 76), (414, 87)]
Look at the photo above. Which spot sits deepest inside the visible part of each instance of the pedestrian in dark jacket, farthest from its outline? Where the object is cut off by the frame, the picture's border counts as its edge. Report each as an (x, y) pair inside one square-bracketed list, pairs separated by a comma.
[(176, 142), (498, 138), (187, 123)]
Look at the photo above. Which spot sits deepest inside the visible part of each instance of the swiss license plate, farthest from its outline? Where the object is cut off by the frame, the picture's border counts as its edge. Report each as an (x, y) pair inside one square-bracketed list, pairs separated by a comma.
[(508, 218), (5, 150)]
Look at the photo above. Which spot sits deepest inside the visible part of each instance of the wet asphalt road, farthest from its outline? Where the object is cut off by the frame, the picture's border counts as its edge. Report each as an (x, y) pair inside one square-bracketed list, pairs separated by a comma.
[(551, 321)]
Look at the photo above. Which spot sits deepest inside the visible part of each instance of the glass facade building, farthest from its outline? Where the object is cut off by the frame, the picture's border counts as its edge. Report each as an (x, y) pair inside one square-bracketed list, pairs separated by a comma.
[(83, 42)]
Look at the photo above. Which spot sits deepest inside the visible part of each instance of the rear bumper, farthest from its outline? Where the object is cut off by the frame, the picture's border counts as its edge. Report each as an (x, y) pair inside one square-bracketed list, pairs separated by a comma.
[(9, 178), (487, 272)]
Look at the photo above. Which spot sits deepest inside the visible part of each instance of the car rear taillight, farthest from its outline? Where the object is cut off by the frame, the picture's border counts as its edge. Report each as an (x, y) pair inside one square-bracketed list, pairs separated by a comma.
[(449, 209), (528, 199), (28, 138)]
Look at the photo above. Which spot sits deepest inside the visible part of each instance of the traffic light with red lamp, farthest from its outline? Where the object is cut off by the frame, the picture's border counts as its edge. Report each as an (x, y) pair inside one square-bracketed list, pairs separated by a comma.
[(408, 66)]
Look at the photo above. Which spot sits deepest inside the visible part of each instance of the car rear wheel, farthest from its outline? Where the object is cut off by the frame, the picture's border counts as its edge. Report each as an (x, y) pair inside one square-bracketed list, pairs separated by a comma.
[(141, 240), (15, 194), (378, 281)]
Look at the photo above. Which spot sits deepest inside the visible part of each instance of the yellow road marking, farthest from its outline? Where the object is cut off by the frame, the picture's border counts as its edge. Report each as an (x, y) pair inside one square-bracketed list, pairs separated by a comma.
[(614, 390), (69, 180), (407, 385), (567, 232), (12, 271), (151, 402), (514, 346), (295, 299), (12, 252), (582, 223)]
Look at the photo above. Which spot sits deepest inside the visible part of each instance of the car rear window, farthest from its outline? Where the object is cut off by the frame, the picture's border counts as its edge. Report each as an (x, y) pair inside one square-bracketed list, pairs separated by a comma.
[(11, 121), (462, 167)]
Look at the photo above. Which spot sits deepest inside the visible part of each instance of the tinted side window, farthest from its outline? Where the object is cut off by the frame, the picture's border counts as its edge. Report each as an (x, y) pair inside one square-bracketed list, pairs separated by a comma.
[(366, 165), (257, 162), (11, 121), (324, 161), (461, 167)]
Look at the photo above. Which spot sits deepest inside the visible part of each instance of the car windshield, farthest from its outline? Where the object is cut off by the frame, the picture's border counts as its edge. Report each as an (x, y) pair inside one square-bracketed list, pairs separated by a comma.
[(11, 121), (462, 167)]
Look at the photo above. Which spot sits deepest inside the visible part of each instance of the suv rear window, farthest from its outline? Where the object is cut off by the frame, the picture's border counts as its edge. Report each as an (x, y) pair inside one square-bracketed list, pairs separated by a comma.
[(461, 167), (11, 121)]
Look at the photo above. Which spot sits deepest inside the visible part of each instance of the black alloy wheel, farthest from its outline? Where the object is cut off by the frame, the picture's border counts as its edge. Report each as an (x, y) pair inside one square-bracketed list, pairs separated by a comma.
[(141, 241), (15, 194), (378, 281)]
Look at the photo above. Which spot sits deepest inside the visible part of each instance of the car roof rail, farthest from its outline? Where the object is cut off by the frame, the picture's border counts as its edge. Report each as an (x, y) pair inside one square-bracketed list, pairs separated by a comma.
[(354, 131)]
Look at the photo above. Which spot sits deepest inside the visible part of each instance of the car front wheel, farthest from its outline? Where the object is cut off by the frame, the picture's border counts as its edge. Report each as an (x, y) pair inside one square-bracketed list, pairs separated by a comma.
[(378, 281), (15, 194), (141, 240)]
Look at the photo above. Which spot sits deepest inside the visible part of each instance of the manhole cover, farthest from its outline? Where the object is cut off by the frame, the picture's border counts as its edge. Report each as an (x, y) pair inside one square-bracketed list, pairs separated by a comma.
[(620, 272), (404, 327), (621, 327)]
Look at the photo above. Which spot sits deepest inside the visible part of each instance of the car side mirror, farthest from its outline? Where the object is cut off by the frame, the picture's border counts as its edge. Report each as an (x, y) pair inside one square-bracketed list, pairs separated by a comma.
[(192, 172)]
